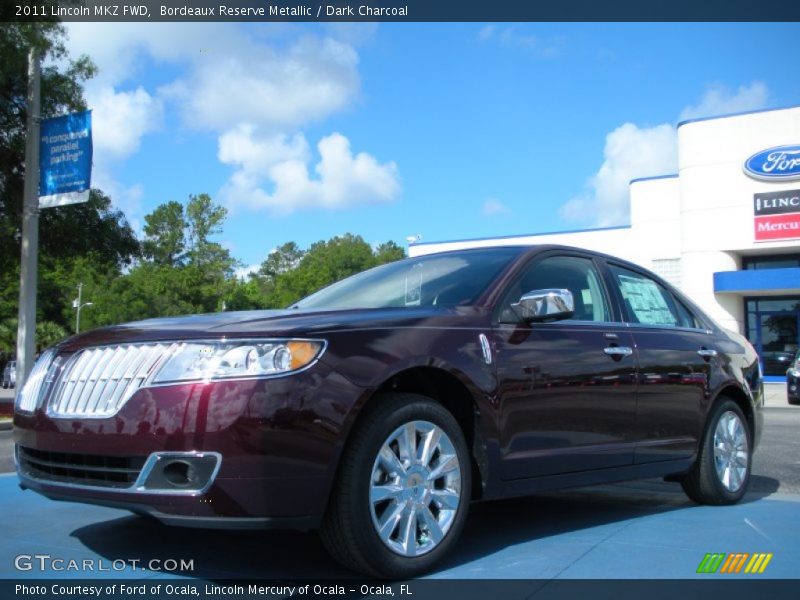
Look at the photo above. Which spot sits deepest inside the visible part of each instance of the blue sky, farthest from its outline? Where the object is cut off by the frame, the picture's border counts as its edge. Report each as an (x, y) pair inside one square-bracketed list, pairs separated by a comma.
[(446, 130)]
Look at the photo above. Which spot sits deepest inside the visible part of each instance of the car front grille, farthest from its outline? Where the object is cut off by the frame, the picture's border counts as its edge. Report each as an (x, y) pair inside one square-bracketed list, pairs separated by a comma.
[(96, 382), (81, 469)]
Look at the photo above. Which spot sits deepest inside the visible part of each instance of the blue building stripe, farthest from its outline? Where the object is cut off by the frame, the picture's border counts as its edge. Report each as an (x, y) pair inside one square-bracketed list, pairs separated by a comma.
[(758, 280)]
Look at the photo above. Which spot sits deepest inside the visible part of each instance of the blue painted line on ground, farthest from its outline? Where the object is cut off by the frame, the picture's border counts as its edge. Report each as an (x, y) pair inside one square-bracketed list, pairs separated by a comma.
[(636, 530)]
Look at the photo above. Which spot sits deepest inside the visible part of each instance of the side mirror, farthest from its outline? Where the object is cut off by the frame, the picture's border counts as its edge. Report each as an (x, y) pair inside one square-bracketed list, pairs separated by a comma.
[(545, 305)]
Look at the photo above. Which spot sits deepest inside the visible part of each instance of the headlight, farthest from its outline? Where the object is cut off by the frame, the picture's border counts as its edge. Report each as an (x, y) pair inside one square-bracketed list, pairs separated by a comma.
[(239, 359)]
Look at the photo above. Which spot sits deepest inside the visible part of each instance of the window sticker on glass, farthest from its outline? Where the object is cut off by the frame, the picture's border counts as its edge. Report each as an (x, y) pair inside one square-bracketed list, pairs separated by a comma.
[(414, 286), (646, 300)]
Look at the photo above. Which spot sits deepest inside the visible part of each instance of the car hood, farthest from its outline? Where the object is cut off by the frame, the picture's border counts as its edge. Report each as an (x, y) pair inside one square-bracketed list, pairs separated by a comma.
[(265, 323)]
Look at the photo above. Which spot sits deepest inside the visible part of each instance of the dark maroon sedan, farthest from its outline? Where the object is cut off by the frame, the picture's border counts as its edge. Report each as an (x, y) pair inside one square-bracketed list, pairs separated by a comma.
[(379, 407)]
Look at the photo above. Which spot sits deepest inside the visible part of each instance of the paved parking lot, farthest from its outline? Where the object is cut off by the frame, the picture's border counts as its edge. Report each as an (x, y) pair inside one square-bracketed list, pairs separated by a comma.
[(642, 529)]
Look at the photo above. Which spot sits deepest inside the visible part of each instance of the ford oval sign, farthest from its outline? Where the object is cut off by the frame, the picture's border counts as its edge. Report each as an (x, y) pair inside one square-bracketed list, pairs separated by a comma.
[(781, 163)]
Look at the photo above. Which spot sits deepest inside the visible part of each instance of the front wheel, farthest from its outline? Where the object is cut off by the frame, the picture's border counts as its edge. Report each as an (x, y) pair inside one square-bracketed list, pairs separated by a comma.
[(722, 470), (403, 489)]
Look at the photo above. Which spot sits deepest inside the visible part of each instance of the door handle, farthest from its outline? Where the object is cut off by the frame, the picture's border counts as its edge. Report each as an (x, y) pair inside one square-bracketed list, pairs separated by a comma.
[(707, 353), (618, 351)]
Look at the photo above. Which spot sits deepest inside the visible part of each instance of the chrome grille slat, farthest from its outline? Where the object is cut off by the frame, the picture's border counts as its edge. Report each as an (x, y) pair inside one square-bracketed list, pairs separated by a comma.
[(128, 354), (92, 371), (96, 382), (113, 364), (62, 385), (84, 360), (92, 366), (133, 374)]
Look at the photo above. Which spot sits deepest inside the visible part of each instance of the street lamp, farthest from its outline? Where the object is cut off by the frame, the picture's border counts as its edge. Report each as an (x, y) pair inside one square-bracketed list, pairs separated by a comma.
[(76, 304)]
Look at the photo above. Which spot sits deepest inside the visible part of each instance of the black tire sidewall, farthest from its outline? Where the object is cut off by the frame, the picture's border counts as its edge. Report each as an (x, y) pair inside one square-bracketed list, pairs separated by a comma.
[(723, 494), (376, 552)]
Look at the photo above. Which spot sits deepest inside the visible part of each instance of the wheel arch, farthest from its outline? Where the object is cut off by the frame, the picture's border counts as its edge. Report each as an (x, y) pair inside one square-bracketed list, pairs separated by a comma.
[(450, 391), (740, 397)]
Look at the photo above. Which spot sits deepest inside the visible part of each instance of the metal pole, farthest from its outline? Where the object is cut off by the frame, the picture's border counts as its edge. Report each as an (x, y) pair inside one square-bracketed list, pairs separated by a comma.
[(26, 330), (78, 314)]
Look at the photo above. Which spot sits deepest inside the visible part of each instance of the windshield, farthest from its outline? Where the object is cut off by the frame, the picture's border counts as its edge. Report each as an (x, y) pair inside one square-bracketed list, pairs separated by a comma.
[(452, 279)]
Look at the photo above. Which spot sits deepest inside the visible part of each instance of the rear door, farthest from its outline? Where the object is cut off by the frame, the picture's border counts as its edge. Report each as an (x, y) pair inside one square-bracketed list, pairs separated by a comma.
[(675, 356), (567, 396)]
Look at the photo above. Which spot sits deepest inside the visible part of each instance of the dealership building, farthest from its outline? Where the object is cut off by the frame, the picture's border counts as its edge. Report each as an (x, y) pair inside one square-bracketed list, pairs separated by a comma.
[(725, 229)]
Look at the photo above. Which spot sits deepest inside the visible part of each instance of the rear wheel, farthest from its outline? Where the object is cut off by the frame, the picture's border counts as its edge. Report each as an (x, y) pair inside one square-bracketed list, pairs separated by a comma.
[(403, 489), (722, 470)]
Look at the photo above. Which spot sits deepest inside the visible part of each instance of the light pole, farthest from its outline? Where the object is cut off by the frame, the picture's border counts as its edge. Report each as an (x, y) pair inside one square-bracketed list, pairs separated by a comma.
[(78, 305), (29, 263)]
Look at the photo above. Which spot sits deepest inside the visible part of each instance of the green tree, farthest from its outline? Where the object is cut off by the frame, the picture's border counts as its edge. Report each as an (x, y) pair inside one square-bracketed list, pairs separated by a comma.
[(165, 233), (48, 333), (389, 252), (204, 218), (281, 260), (93, 230), (61, 92), (326, 262)]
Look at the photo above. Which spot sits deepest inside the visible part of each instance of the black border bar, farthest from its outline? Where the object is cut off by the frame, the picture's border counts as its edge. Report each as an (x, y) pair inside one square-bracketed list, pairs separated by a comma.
[(400, 10)]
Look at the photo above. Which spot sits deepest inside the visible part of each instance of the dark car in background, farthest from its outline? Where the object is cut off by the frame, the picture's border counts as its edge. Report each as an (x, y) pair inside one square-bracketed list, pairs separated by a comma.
[(378, 408), (793, 380), (10, 375)]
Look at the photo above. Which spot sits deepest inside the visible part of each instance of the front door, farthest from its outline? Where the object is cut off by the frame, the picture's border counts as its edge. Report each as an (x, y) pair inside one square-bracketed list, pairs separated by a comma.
[(568, 397)]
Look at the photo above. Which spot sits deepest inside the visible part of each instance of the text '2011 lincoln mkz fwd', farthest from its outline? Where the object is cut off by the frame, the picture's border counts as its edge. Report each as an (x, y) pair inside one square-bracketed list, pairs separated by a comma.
[(378, 408)]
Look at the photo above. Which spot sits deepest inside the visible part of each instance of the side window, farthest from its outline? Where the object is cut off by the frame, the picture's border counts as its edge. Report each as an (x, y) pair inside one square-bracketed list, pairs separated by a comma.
[(576, 274), (685, 316), (648, 302)]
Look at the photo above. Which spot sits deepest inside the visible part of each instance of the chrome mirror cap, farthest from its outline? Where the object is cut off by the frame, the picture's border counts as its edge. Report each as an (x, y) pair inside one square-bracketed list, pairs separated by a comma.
[(545, 305)]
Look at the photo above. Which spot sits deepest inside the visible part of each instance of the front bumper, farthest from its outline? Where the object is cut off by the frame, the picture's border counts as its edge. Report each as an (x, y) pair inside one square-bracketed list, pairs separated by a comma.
[(277, 441)]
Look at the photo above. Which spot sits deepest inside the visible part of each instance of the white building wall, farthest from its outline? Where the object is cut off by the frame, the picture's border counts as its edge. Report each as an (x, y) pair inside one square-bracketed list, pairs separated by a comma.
[(716, 201)]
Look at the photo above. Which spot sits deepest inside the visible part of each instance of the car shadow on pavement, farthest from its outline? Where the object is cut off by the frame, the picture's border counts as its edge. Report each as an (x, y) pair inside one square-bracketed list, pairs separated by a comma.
[(491, 527)]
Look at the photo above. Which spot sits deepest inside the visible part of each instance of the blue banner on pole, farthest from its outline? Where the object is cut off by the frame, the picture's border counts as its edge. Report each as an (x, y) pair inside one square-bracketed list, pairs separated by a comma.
[(65, 160)]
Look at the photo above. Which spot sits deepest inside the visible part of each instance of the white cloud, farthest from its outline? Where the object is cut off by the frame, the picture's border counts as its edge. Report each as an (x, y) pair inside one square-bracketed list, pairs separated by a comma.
[(720, 100), (272, 173), (120, 120), (630, 152), (486, 32), (493, 207), (245, 272), (239, 146), (275, 89), (257, 87), (231, 73), (516, 36)]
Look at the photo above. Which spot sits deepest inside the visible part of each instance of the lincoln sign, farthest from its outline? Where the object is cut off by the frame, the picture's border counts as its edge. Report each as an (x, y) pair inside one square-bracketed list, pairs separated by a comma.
[(777, 215)]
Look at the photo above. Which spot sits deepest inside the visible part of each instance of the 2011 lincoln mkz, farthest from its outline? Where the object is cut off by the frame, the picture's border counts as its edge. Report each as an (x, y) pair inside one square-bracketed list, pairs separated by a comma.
[(378, 408)]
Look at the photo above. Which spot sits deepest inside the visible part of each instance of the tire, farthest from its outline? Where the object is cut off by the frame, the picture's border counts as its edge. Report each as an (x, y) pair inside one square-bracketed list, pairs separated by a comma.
[(721, 475), (418, 502)]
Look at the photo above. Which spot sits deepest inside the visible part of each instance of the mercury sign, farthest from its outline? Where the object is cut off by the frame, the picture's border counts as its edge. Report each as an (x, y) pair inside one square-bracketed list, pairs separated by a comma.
[(65, 160), (781, 163), (776, 215)]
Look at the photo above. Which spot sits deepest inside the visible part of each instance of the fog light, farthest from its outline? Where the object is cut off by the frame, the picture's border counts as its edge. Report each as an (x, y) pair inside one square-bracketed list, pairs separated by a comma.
[(179, 472)]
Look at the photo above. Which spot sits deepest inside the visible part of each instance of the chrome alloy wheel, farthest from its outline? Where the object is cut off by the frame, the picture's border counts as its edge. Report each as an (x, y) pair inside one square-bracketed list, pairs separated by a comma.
[(731, 451), (415, 488)]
